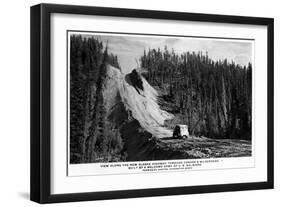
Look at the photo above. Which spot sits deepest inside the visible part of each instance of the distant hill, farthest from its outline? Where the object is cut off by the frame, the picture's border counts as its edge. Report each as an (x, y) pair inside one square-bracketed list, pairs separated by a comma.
[(214, 98)]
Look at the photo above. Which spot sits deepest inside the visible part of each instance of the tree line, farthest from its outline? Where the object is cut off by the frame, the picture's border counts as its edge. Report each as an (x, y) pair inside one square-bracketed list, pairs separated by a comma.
[(214, 98), (92, 137)]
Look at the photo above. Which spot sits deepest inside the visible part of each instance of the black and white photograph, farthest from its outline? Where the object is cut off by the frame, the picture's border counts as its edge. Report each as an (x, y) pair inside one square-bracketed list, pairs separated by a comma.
[(132, 103), (136, 97)]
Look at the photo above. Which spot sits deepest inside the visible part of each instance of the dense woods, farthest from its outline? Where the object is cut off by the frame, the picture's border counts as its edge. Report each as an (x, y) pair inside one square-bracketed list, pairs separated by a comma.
[(92, 137), (214, 98)]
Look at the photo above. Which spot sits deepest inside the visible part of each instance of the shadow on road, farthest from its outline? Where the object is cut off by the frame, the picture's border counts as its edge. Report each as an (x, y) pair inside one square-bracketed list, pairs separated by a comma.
[(170, 138)]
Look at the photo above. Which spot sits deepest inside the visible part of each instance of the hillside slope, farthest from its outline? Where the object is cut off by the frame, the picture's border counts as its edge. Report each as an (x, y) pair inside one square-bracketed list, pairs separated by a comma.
[(139, 101), (132, 106)]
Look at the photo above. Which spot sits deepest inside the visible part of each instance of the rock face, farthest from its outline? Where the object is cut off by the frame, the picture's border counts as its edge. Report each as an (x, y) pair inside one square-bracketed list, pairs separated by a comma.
[(138, 99), (132, 107)]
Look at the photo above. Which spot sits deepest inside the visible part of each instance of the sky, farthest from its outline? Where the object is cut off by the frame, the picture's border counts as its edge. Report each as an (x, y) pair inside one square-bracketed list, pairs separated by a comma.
[(129, 48)]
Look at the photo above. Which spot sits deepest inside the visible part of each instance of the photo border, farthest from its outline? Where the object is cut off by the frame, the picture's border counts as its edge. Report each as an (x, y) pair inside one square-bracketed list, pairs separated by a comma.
[(101, 33)]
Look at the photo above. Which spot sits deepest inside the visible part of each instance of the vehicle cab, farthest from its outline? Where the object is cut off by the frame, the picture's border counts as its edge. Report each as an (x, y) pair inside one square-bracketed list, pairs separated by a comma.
[(181, 131)]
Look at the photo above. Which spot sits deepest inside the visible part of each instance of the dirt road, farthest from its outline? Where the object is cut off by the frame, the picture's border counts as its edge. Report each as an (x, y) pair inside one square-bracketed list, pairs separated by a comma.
[(202, 147)]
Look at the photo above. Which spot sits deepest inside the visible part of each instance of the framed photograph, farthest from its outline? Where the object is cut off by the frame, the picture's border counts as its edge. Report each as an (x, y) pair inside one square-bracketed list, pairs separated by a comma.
[(132, 103)]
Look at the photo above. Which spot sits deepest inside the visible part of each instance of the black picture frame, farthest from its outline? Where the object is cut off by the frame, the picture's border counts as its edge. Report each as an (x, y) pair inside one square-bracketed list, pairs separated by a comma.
[(41, 97)]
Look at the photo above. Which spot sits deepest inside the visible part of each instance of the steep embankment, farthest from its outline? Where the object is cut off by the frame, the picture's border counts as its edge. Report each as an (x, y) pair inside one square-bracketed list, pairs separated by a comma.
[(139, 100), (131, 106)]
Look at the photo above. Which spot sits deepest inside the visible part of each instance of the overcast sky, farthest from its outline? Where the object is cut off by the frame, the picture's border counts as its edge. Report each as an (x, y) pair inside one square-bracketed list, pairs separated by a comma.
[(129, 48)]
